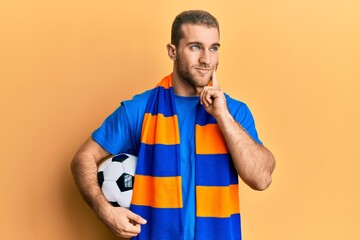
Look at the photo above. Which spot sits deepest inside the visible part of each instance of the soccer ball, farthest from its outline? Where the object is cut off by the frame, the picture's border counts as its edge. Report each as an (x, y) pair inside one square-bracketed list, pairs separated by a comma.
[(116, 178)]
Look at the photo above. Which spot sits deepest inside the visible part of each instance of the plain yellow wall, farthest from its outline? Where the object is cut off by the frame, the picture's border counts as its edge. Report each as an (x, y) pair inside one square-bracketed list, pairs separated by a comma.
[(66, 65)]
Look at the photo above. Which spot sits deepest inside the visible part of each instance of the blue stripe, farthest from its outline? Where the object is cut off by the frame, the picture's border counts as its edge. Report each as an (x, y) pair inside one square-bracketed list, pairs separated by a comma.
[(162, 223), (218, 228), (159, 102), (213, 164), (203, 118), (158, 160)]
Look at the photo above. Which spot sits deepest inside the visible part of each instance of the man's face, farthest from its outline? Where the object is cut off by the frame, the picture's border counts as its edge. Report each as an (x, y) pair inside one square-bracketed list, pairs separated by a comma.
[(197, 54)]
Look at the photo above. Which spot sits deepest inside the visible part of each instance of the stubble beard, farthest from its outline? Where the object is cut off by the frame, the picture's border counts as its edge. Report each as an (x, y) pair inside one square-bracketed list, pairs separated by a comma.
[(190, 78)]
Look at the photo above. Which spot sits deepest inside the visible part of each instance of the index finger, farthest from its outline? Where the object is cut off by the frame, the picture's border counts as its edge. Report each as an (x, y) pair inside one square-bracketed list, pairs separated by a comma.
[(136, 218), (214, 79)]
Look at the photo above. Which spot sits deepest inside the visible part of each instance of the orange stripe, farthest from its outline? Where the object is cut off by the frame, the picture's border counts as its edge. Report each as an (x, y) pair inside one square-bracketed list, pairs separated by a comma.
[(166, 82), (209, 140), (158, 129), (158, 192), (217, 201)]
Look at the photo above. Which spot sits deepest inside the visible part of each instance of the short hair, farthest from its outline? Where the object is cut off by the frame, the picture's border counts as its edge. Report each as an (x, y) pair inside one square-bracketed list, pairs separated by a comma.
[(197, 17)]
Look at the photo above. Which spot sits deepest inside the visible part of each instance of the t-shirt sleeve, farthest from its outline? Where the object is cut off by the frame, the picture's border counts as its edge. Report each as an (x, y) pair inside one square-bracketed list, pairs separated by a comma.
[(121, 131), (244, 117), (114, 131)]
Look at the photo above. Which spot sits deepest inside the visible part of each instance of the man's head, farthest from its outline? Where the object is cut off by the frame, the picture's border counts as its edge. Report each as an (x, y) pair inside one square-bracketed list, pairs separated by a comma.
[(195, 17), (194, 50)]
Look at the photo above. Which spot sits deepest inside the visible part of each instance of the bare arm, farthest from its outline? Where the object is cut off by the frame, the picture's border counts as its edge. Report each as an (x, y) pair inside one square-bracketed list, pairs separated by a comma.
[(120, 221), (253, 162)]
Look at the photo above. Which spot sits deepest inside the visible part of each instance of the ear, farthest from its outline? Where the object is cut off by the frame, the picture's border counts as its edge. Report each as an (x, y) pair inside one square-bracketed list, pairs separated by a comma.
[(171, 49)]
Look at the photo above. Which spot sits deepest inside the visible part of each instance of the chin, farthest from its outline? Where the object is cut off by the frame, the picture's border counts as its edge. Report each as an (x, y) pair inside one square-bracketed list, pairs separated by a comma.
[(198, 81), (203, 82)]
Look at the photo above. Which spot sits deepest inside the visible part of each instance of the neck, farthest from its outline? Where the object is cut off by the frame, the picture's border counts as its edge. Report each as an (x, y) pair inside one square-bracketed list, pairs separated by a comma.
[(183, 88)]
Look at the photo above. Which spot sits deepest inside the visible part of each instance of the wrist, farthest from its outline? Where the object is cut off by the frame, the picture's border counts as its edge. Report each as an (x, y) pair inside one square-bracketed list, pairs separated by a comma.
[(225, 117), (101, 206)]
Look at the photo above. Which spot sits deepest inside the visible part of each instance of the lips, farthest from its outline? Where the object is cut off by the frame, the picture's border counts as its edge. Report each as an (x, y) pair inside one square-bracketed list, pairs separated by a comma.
[(203, 70)]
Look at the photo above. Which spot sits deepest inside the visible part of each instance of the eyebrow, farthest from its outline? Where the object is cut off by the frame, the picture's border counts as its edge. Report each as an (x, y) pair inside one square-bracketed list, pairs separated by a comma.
[(200, 43)]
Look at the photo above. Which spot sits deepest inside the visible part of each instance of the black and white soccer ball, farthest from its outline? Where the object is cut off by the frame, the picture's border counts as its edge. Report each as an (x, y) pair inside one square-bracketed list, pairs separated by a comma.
[(116, 178)]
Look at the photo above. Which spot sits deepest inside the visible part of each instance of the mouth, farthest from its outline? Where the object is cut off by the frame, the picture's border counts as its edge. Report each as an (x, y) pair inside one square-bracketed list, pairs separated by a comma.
[(203, 71)]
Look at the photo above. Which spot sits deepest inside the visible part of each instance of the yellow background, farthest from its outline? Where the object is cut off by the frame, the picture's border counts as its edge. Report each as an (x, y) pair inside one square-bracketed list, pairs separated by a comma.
[(66, 65)]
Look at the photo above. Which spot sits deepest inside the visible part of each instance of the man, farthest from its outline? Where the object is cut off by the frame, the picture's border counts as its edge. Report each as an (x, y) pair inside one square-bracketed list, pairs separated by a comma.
[(192, 140)]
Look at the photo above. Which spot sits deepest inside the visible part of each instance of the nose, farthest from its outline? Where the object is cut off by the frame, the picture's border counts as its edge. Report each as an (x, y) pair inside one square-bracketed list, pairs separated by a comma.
[(205, 57)]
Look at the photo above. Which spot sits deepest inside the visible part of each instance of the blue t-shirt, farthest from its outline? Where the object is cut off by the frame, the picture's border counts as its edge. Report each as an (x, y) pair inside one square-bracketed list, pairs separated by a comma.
[(121, 132)]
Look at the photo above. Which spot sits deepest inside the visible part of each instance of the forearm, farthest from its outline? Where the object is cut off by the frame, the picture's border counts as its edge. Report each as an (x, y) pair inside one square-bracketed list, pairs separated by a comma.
[(85, 177), (84, 170), (253, 162)]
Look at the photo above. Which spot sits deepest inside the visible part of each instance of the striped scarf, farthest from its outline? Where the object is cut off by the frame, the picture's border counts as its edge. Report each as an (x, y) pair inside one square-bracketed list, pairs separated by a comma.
[(157, 193)]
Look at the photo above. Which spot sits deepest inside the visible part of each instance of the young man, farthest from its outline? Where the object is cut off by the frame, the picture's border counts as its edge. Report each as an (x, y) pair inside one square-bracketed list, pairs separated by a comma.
[(192, 143)]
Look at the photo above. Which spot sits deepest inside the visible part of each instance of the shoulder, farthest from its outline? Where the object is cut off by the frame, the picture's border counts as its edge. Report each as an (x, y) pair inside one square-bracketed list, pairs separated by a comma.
[(240, 111), (235, 106), (130, 109), (138, 98), (242, 114), (137, 103)]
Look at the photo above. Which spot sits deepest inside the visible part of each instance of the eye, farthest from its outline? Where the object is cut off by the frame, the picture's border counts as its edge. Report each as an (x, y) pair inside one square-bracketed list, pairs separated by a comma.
[(194, 47), (214, 49)]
